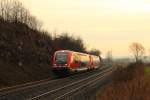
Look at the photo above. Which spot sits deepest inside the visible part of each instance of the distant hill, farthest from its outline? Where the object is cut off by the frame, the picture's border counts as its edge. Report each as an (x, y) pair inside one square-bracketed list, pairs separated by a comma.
[(123, 60)]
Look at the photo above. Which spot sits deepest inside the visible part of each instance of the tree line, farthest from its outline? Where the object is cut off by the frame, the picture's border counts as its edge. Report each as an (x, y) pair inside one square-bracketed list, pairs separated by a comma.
[(14, 11)]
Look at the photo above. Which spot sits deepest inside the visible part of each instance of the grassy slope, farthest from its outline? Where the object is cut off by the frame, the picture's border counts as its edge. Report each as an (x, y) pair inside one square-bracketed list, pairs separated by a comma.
[(24, 54), (128, 84), (147, 70)]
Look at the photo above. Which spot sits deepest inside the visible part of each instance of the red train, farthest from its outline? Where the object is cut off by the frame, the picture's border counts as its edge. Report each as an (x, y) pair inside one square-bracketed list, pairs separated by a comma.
[(66, 61)]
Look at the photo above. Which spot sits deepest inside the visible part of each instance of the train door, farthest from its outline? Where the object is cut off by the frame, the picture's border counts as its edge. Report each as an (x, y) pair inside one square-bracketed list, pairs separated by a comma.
[(91, 62), (75, 61)]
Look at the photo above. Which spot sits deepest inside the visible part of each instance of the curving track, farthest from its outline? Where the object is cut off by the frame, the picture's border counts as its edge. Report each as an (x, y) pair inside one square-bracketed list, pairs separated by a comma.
[(57, 89)]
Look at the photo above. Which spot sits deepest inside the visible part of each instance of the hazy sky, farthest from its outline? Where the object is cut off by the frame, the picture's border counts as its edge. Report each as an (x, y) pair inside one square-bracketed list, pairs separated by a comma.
[(102, 24)]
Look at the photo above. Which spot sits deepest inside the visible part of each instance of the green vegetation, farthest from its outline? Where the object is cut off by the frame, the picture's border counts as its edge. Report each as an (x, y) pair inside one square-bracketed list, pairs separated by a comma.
[(128, 84), (147, 70)]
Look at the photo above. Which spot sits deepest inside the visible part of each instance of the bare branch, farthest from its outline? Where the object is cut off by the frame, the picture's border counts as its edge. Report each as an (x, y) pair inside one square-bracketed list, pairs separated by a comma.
[(138, 51)]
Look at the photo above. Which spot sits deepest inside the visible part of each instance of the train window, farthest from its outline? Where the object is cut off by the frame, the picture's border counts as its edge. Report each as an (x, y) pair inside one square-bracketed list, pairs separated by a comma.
[(96, 60), (84, 60), (76, 58), (61, 58)]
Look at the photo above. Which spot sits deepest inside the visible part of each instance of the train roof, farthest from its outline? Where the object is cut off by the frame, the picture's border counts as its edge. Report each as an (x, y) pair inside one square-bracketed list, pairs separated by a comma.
[(75, 52), (70, 51)]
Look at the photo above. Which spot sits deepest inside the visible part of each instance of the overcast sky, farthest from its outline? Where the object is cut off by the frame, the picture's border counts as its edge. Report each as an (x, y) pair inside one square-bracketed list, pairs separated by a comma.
[(102, 24)]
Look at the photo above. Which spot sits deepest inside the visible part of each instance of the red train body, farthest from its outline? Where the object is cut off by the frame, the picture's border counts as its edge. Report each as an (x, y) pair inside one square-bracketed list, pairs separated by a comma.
[(65, 61)]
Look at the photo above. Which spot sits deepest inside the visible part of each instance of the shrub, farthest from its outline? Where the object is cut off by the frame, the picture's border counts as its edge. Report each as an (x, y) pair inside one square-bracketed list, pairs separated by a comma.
[(128, 84)]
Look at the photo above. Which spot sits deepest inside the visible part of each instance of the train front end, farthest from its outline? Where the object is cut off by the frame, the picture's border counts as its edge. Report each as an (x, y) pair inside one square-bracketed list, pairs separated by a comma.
[(61, 62)]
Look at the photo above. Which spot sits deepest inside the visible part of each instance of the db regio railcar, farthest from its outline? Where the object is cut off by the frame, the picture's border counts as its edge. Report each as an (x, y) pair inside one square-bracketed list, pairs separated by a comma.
[(66, 61)]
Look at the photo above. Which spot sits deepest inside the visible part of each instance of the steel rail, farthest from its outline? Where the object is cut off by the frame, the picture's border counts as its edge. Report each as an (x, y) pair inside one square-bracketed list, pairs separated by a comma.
[(28, 85), (80, 87), (69, 85)]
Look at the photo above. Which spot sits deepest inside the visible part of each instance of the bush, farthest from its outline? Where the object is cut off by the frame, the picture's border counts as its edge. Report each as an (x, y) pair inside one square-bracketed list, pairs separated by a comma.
[(128, 84)]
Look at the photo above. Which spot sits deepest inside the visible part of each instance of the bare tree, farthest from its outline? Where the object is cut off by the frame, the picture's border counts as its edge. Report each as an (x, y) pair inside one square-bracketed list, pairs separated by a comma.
[(138, 51), (2, 8), (13, 11)]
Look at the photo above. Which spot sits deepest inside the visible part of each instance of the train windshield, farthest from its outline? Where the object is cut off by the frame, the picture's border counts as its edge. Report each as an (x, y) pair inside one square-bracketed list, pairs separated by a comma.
[(61, 58)]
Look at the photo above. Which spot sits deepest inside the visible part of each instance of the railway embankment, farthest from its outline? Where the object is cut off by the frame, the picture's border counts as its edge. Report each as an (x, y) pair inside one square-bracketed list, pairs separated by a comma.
[(24, 56)]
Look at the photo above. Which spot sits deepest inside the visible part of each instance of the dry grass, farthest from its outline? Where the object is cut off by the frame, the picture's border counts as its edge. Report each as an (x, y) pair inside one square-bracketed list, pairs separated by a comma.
[(129, 84)]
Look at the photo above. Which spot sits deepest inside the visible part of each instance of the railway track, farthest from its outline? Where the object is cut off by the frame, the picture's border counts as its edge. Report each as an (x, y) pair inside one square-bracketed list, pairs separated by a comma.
[(55, 89)]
